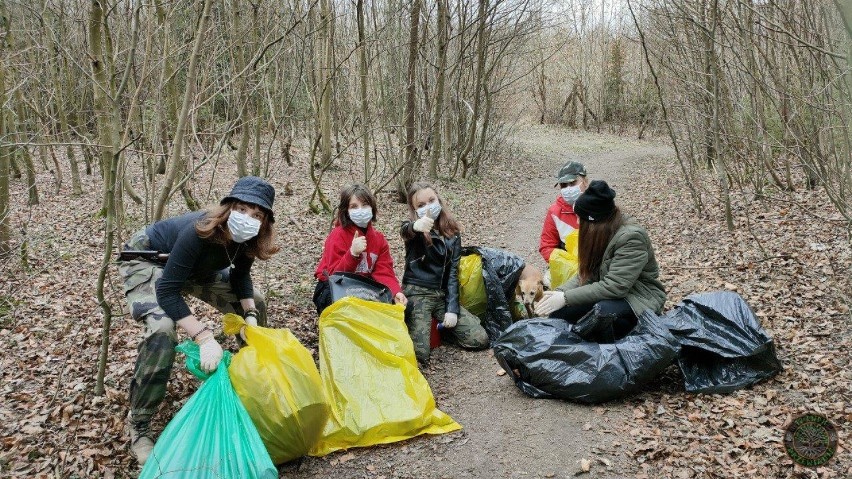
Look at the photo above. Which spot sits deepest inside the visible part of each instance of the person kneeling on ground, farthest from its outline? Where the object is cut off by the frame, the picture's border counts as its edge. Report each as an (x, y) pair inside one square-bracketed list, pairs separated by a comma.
[(355, 246), (561, 219), (431, 279), (210, 255), (618, 273)]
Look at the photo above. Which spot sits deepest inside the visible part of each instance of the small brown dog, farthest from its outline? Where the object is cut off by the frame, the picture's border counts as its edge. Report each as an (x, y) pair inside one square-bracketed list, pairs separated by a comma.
[(530, 288)]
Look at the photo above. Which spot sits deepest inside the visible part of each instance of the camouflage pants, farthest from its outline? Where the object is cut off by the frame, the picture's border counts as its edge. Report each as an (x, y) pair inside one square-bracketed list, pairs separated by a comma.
[(157, 349), (425, 304)]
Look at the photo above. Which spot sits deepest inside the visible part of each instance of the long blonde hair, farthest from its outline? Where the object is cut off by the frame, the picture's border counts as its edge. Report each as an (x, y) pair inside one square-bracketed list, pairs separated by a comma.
[(213, 227)]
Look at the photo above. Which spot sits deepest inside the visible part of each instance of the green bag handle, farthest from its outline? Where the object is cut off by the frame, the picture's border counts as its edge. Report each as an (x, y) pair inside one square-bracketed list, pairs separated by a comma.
[(193, 359)]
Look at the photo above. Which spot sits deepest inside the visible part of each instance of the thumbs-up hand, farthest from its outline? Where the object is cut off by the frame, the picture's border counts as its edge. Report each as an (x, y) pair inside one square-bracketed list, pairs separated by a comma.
[(424, 224), (359, 244)]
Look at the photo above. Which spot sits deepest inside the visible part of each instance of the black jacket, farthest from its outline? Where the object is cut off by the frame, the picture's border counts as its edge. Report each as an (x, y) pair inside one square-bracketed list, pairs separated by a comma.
[(435, 266), (192, 258)]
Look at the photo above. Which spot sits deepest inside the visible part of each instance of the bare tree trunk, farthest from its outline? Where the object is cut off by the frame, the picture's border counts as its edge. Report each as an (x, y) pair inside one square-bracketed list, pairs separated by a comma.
[(258, 128), (29, 167), (713, 70), (440, 86), (131, 58), (76, 186), (109, 160), (176, 161), (410, 102), (326, 80), (478, 84), (168, 87), (242, 87), (362, 90), (5, 151)]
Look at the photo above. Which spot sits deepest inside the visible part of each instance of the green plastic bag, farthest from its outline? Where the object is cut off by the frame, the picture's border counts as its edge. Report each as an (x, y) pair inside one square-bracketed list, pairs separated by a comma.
[(369, 372), (472, 294), (212, 435), (280, 386)]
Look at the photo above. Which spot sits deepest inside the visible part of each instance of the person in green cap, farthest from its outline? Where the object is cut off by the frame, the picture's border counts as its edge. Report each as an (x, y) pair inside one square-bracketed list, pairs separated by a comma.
[(618, 276), (561, 220)]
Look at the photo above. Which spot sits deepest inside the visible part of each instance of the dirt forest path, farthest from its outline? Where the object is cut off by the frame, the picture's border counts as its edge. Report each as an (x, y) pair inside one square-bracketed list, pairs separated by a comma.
[(507, 434)]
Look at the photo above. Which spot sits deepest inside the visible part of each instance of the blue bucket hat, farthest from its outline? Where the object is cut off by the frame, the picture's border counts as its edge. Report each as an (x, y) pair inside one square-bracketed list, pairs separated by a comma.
[(254, 190)]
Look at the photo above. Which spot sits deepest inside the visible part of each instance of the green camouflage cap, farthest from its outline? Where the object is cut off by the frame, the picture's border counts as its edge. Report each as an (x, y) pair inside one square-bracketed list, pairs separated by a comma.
[(569, 172)]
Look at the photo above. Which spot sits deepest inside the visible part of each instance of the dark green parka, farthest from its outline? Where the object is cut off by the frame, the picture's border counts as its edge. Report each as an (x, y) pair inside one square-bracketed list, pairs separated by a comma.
[(628, 271)]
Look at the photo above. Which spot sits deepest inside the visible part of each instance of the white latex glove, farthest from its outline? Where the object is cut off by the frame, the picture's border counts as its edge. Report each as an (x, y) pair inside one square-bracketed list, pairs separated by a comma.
[(211, 352), (450, 320), (251, 320), (550, 302), (424, 224), (359, 244)]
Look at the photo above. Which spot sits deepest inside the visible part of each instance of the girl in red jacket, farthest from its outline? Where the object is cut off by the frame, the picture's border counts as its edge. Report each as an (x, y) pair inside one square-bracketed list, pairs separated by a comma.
[(354, 246)]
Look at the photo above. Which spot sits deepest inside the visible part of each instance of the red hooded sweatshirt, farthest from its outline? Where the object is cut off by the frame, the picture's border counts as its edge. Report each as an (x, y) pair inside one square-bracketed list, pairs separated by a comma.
[(375, 262)]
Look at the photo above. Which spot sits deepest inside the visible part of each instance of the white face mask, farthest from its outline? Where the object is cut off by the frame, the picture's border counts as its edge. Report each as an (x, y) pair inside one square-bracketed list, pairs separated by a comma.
[(361, 216), (434, 209), (571, 193), (242, 226)]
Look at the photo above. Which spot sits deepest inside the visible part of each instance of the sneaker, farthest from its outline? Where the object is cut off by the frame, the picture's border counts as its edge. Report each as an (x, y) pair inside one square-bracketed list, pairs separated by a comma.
[(141, 443)]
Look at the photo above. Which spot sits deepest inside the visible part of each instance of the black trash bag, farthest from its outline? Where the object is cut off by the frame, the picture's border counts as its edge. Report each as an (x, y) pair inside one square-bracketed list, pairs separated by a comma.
[(599, 327), (724, 348), (344, 284), (552, 361), (500, 272)]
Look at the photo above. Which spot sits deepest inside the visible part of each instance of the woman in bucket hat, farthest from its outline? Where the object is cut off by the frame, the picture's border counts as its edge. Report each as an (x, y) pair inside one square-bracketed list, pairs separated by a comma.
[(618, 275), (209, 255)]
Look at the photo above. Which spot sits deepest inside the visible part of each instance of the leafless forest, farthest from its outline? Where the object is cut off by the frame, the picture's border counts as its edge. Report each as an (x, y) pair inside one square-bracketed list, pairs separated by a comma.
[(148, 95), (148, 108)]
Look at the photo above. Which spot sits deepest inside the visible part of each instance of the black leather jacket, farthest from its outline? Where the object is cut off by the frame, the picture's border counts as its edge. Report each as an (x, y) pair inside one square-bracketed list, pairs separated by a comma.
[(436, 266)]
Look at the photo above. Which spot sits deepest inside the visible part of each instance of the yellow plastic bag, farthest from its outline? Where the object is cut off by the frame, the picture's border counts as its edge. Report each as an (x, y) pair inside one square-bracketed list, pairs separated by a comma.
[(280, 387), (564, 263), (472, 295), (369, 372)]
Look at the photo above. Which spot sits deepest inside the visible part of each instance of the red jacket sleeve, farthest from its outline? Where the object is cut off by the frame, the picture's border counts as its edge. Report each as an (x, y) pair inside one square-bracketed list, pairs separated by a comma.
[(383, 270), (336, 255), (549, 237)]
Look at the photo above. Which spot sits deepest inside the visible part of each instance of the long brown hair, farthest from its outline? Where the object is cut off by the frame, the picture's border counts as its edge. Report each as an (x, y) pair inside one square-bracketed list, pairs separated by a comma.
[(446, 224), (213, 227), (362, 193), (592, 242)]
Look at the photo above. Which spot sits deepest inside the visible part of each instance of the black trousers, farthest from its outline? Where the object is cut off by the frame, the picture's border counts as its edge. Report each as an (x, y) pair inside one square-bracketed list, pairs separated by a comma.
[(322, 296), (604, 322)]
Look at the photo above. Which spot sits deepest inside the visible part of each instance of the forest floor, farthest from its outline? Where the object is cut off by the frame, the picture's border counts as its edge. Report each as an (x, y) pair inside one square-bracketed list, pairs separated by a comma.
[(789, 257)]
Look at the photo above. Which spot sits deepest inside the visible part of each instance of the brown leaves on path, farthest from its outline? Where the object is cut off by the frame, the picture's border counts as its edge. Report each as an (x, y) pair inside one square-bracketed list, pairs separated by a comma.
[(790, 259)]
